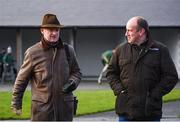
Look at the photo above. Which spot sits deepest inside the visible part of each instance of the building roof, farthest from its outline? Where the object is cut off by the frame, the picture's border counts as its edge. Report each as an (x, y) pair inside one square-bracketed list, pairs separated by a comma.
[(90, 12)]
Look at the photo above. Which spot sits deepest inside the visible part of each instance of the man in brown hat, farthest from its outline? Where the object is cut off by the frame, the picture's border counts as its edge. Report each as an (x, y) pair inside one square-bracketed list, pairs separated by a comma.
[(53, 76)]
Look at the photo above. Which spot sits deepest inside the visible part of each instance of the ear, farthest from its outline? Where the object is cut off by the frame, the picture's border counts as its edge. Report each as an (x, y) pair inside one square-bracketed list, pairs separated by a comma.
[(142, 31), (42, 30)]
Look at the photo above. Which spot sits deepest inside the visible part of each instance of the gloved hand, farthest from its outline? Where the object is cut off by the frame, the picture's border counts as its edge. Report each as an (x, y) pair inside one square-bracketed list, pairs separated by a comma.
[(17, 111), (69, 86)]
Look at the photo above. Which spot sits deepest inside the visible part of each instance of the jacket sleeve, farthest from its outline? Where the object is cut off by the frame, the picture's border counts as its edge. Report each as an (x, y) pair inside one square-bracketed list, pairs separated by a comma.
[(21, 82), (169, 76), (75, 73), (113, 73)]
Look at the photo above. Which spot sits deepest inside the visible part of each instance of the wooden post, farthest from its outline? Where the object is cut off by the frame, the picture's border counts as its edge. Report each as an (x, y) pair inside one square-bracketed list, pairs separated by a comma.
[(178, 55), (73, 37), (18, 48)]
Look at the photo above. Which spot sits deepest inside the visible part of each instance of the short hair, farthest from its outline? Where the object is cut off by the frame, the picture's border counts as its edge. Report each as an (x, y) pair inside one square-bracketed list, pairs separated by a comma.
[(142, 23)]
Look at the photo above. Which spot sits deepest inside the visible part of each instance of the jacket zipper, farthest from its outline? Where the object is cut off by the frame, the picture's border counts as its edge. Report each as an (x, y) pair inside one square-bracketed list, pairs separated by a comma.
[(54, 55), (142, 53)]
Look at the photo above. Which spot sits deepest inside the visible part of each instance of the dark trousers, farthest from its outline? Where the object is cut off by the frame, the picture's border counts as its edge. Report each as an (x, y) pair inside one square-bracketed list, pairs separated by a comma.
[(124, 118), (1, 69)]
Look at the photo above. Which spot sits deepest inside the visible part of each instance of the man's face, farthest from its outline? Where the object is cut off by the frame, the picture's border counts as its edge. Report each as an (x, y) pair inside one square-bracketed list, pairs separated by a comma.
[(132, 34), (50, 34)]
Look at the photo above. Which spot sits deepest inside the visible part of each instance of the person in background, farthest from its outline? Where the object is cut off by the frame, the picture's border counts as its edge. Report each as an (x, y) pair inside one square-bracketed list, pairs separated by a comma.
[(105, 58), (9, 69), (2, 53), (8, 57), (140, 73), (53, 78)]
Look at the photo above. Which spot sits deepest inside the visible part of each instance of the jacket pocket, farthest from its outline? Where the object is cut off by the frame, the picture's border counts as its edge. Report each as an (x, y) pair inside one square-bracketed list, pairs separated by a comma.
[(39, 107), (68, 98), (151, 70), (123, 62), (125, 69), (153, 106), (68, 105), (151, 64), (121, 103), (40, 98)]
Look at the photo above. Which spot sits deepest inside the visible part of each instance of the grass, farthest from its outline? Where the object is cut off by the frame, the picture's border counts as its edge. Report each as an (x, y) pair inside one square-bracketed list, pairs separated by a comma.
[(87, 103), (5, 110), (172, 96), (90, 101), (95, 101)]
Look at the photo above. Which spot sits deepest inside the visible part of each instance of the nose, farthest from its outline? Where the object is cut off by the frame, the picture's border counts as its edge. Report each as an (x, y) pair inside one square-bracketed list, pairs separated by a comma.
[(126, 33), (54, 32)]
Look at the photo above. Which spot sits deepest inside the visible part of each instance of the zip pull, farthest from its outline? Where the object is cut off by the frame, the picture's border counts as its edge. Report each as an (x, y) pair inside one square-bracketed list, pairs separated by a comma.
[(140, 51), (143, 50), (55, 52)]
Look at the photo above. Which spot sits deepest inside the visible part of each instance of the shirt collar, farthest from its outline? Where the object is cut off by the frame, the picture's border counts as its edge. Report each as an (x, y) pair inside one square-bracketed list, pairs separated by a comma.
[(47, 45)]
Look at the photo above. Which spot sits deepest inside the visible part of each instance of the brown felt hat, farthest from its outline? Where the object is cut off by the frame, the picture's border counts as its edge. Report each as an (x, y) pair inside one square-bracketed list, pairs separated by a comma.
[(50, 20)]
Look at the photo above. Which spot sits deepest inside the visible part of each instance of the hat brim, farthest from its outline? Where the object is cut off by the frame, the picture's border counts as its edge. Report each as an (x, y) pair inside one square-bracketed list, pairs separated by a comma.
[(51, 26)]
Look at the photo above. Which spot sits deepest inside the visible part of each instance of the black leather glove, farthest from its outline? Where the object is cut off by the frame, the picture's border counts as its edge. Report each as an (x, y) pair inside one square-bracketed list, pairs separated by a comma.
[(69, 86)]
